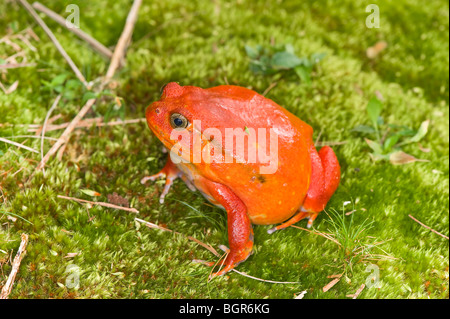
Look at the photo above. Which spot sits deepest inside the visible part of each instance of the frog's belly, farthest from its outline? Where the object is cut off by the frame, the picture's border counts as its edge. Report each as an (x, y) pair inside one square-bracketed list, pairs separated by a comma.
[(271, 202), (193, 181)]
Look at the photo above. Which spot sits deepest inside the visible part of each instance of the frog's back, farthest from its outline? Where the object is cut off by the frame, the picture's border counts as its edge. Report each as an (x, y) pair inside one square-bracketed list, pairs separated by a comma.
[(273, 191)]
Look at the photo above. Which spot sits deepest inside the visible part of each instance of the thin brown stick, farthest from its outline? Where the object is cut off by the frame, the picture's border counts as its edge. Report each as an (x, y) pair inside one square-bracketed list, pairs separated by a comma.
[(358, 292), (331, 284), (16, 65), (55, 103), (125, 37), (265, 280), (427, 227), (151, 225), (55, 41), (318, 233), (18, 145), (49, 122), (65, 135), (119, 52), (271, 86), (96, 45), (33, 136), (212, 250), (6, 290), (133, 210), (87, 123)]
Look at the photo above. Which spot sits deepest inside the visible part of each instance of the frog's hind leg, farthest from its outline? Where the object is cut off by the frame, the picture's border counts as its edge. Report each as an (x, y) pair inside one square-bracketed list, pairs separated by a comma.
[(170, 172), (240, 232), (325, 177), (296, 218)]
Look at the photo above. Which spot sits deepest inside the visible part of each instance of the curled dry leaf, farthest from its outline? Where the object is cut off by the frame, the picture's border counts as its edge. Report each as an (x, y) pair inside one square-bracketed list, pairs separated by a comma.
[(330, 284), (400, 158), (372, 52)]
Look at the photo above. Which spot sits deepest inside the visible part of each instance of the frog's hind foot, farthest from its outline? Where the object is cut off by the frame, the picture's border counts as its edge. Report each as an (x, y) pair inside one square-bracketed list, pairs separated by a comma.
[(296, 218)]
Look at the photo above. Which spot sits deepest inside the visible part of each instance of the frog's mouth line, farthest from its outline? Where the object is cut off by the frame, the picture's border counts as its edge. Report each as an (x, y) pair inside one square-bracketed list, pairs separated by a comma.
[(168, 143)]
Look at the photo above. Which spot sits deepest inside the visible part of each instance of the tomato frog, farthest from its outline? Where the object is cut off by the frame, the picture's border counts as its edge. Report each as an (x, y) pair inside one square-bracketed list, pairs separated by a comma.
[(296, 184)]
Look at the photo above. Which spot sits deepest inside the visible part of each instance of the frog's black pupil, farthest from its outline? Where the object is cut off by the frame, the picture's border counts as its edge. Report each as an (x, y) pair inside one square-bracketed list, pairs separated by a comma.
[(178, 122)]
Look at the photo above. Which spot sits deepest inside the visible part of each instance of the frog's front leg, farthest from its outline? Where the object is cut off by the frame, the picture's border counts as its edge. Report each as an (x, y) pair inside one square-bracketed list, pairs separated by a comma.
[(170, 171), (240, 232), (325, 177)]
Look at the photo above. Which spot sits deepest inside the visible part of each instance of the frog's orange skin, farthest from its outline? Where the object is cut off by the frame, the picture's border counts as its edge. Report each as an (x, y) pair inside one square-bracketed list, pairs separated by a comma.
[(300, 188)]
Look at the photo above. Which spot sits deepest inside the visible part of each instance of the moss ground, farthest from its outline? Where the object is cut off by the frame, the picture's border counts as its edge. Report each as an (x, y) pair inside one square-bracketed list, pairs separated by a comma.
[(202, 43)]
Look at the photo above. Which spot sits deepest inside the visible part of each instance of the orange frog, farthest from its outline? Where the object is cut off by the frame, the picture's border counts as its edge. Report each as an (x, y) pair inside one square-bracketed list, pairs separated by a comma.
[(297, 181)]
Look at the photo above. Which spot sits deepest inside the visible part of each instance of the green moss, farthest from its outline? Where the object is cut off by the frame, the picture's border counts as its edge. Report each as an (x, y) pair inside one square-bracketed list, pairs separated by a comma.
[(202, 43)]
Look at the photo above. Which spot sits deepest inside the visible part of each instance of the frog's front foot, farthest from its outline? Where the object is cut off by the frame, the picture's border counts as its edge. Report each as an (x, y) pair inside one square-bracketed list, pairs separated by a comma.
[(170, 172)]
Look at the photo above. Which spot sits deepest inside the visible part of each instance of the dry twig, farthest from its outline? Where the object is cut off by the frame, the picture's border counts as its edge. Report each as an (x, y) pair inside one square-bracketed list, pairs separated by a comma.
[(119, 52), (100, 48), (213, 251), (98, 121), (6, 290), (358, 292), (55, 103), (318, 233), (128, 209), (66, 134), (331, 284), (55, 41), (125, 37), (427, 227), (18, 145)]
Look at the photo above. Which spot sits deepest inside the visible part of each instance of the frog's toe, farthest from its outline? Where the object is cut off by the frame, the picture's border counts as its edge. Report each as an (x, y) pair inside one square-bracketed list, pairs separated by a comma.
[(152, 177), (296, 218), (221, 272), (169, 182)]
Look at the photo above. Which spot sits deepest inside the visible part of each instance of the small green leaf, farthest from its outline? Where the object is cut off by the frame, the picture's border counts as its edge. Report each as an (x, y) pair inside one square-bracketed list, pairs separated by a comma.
[(303, 74), (252, 53), (390, 142), (87, 96), (374, 109), (285, 60), (72, 84), (423, 129), (363, 129), (379, 157), (317, 57), (59, 79), (58, 88), (374, 146), (90, 192)]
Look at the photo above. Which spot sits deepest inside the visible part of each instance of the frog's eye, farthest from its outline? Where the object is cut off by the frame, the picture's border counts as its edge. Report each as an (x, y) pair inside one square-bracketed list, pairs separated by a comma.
[(178, 121)]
